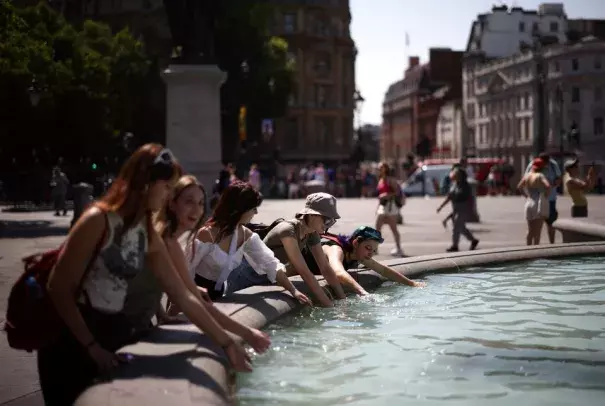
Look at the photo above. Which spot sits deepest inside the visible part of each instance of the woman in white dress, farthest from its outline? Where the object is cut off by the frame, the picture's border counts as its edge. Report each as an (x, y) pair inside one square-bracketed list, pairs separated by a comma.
[(390, 201), (536, 188)]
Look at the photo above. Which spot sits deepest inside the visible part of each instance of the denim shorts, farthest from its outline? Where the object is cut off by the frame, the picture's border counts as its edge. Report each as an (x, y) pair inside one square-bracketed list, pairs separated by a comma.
[(243, 277)]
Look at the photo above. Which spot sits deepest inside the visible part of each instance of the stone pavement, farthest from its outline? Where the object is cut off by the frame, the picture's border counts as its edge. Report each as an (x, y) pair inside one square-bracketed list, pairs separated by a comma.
[(502, 224)]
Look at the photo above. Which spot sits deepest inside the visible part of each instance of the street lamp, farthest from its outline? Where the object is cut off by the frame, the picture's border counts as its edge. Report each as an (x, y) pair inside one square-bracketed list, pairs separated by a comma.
[(539, 139), (34, 93)]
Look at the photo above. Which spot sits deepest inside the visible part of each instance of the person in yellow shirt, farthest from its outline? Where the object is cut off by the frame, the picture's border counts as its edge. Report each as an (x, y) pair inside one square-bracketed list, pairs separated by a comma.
[(577, 187)]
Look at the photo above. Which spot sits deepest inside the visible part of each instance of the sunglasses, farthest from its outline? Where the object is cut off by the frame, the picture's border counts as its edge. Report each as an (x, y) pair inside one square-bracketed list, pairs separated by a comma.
[(328, 222), (368, 233)]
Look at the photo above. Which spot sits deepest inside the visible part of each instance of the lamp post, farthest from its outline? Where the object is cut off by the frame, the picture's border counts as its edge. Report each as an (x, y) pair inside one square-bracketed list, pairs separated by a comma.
[(358, 100), (539, 139), (34, 93)]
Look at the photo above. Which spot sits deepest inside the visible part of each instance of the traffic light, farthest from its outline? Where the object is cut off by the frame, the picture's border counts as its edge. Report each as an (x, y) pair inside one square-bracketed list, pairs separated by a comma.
[(94, 166)]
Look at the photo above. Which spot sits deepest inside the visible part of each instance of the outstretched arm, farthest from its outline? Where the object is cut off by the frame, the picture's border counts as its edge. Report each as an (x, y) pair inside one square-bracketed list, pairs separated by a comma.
[(257, 339), (390, 273), (327, 271), (296, 259)]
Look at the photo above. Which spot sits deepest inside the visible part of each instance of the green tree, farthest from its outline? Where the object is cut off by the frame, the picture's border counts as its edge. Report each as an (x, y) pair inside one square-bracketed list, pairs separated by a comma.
[(242, 35), (91, 84)]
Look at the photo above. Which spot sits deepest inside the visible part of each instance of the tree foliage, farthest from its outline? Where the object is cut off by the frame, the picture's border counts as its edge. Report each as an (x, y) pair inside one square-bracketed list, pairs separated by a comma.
[(90, 81), (243, 35)]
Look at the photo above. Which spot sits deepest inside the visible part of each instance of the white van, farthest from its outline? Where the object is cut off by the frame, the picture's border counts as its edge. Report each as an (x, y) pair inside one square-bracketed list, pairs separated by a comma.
[(424, 175)]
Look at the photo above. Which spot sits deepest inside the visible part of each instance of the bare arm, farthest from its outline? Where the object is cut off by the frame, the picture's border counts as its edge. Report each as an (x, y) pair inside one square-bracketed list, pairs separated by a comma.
[(389, 273), (65, 279), (335, 257), (446, 201), (326, 270), (295, 256), (521, 184), (162, 266)]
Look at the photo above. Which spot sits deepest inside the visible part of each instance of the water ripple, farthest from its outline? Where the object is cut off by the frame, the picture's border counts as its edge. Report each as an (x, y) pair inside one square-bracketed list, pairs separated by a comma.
[(526, 333)]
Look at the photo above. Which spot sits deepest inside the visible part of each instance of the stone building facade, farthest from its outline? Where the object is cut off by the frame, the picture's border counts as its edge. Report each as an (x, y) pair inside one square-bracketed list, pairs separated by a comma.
[(500, 102), (449, 131), (319, 122), (412, 105)]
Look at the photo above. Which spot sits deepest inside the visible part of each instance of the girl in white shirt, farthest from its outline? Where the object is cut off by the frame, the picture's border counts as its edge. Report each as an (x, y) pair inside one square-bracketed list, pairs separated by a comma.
[(224, 241), (182, 215)]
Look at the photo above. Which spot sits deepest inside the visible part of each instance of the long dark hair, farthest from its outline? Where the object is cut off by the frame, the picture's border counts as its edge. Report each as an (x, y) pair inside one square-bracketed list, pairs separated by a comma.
[(236, 199), (128, 191)]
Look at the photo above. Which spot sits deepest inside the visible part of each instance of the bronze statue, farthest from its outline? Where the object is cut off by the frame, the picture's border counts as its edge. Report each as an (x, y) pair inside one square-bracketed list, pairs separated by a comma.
[(192, 24)]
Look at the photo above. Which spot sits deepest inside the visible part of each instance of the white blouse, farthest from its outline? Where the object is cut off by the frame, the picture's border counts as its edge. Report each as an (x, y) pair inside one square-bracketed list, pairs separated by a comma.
[(211, 262)]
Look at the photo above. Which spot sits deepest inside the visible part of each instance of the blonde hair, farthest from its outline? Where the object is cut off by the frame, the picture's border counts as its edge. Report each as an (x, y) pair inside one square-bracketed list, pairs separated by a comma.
[(165, 220)]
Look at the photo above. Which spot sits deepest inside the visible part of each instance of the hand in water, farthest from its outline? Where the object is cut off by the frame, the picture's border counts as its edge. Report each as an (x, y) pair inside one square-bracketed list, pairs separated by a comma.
[(418, 284), (302, 298), (258, 340), (238, 358)]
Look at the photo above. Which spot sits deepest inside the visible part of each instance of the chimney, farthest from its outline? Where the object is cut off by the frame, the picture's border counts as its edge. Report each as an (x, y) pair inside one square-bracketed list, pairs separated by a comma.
[(413, 61)]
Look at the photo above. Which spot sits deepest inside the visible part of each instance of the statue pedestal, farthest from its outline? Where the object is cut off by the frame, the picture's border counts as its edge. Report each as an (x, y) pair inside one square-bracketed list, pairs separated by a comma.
[(193, 119)]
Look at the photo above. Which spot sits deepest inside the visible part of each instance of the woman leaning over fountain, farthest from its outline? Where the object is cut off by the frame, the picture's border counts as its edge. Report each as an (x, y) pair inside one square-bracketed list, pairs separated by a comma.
[(91, 303), (349, 252), (289, 238), (224, 241), (182, 216)]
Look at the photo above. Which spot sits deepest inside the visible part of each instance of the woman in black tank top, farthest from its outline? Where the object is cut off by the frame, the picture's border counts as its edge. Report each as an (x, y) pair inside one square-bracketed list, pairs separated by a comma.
[(347, 252)]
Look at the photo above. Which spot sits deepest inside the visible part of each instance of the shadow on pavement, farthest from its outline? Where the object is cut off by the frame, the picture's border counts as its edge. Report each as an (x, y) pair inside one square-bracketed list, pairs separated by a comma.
[(30, 229)]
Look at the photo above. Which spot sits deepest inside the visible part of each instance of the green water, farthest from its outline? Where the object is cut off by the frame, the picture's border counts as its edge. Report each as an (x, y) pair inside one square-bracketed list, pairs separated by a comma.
[(522, 334)]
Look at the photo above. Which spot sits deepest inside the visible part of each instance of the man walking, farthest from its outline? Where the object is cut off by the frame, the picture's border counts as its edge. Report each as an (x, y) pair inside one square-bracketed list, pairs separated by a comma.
[(553, 174)]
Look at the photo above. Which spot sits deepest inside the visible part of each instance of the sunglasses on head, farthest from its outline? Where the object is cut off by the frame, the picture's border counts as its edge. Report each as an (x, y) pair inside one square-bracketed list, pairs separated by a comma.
[(164, 157), (163, 166), (368, 233)]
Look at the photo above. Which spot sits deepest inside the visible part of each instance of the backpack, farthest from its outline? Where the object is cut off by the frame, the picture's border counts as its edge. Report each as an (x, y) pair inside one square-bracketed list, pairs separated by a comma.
[(32, 321), (262, 229)]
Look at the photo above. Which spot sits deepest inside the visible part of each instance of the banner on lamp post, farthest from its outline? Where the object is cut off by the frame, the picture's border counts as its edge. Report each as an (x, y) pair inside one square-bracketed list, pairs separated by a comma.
[(243, 135), (267, 128)]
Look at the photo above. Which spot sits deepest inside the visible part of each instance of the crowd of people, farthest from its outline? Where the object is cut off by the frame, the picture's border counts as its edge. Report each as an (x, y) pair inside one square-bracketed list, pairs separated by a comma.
[(149, 234)]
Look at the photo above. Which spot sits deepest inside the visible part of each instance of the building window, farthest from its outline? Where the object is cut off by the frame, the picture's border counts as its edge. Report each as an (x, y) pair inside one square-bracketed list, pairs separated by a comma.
[(289, 22), (598, 94), (291, 134), (554, 26), (322, 96), (597, 62), (293, 97), (575, 94), (535, 28), (323, 64), (521, 26), (555, 66), (598, 125), (575, 64)]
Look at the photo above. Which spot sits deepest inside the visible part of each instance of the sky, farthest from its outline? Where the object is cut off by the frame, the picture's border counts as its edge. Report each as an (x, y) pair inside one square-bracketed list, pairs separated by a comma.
[(379, 29)]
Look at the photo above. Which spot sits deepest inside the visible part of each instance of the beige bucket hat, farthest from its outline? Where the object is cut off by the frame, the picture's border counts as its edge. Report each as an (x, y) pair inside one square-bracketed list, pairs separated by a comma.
[(322, 204)]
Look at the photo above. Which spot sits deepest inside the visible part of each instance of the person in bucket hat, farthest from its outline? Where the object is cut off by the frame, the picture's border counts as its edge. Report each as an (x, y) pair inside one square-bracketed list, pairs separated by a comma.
[(320, 204), (289, 239)]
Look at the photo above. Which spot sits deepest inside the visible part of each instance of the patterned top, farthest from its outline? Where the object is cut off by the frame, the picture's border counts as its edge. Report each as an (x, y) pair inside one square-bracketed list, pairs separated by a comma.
[(119, 261)]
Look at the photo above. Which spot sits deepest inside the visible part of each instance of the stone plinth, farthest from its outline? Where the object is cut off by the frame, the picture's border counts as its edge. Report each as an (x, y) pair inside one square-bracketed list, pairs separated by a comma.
[(193, 120)]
